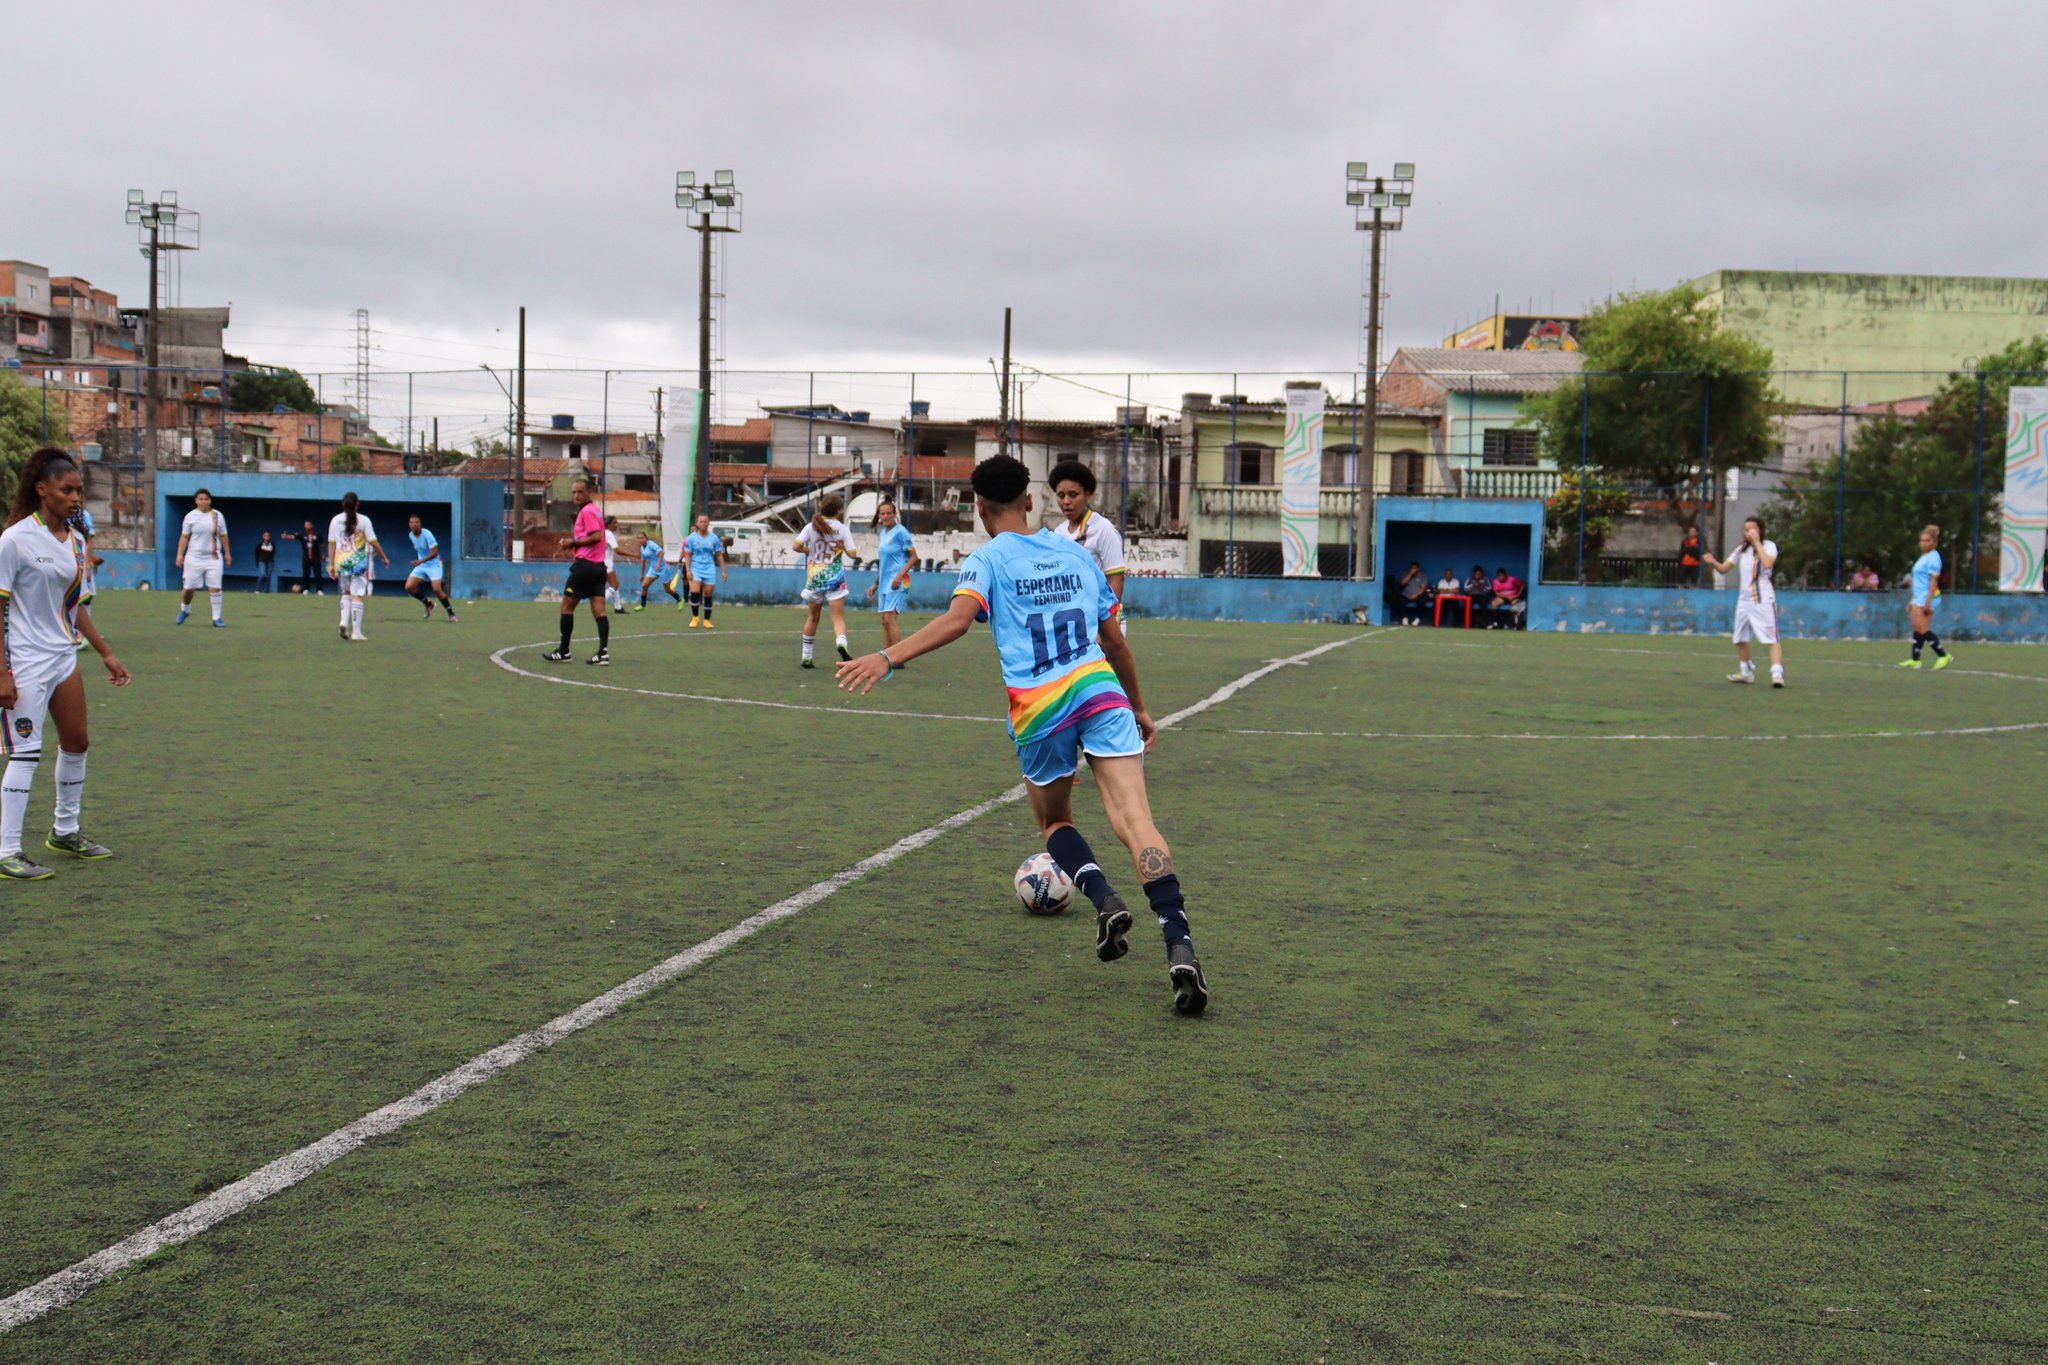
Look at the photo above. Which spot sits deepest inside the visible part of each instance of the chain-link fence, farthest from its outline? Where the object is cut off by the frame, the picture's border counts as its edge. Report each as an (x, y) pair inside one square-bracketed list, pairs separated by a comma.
[(1843, 466)]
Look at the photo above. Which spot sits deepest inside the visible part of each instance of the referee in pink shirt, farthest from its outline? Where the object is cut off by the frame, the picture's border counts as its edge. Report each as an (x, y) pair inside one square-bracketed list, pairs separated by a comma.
[(586, 578)]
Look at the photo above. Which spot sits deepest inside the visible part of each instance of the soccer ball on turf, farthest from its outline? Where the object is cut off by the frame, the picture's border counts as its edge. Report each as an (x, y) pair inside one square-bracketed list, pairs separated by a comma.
[(1041, 887), (297, 588)]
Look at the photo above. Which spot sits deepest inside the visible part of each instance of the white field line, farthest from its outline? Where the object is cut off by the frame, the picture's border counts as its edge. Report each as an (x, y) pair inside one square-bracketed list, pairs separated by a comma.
[(1653, 739), (73, 1282)]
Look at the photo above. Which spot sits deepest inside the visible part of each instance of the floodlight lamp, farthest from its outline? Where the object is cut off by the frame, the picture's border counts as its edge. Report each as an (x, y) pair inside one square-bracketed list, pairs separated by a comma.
[(170, 199), (1404, 170), (1354, 197), (723, 201), (721, 178), (1380, 199), (135, 197), (1355, 170), (685, 179), (135, 215), (683, 199), (1403, 200)]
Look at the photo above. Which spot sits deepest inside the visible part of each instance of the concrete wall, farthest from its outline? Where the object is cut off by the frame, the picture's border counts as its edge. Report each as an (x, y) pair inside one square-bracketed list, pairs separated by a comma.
[(1917, 326), (1801, 615)]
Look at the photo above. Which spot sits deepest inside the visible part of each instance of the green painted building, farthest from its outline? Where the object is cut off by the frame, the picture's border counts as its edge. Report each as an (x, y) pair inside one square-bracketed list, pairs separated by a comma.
[(1895, 336)]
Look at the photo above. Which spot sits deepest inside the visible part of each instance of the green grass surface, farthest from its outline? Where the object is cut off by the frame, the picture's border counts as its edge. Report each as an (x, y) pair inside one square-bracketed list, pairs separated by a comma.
[(1522, 1049)]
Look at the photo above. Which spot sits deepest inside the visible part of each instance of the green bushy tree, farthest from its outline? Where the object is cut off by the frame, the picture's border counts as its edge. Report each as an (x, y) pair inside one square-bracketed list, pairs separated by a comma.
[(21, 429)]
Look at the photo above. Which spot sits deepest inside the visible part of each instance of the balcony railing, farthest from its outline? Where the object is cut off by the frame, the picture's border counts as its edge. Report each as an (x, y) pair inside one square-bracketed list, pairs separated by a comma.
[(1263, 500)]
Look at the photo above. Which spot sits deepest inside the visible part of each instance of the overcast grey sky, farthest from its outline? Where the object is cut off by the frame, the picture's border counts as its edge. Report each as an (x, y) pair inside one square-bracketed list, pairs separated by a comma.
[(1156, 186)]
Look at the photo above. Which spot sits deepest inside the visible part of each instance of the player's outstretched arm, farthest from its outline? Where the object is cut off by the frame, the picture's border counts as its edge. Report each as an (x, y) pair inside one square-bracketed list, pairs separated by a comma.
[(860, 675)]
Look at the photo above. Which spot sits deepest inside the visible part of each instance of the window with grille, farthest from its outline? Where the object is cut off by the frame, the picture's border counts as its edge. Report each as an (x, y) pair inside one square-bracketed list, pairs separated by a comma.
[(1250, 464), (1510, 446)]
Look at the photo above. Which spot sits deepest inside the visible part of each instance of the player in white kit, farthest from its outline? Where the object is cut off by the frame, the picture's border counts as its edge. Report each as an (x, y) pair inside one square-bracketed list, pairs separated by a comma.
[(612, 596), (203, 554), (1756, 601), (350, 541), (1073, 485), (826, 545), (43, 576)]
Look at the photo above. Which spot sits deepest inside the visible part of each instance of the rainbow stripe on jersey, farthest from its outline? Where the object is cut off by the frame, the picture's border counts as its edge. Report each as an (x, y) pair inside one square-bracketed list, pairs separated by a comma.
[(1051, 707)]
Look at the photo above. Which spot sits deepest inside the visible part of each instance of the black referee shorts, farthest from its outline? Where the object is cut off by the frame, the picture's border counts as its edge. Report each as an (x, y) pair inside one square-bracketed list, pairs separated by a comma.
[(586, 579)]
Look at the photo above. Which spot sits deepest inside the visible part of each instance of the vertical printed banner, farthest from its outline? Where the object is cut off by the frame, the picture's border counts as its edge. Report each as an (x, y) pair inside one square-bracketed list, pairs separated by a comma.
[(679, 469), (2023, 534), (1301, 481)]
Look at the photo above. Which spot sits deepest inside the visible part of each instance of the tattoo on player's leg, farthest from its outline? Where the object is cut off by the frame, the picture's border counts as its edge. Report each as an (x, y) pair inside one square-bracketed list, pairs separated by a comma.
[(1154, 863)]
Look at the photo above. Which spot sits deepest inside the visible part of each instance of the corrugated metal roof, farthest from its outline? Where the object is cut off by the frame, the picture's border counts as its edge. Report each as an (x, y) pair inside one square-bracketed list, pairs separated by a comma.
[(1489, 371)]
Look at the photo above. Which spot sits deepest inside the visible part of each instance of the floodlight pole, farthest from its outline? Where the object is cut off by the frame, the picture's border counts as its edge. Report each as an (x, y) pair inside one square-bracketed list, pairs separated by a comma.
[(1363, 191), (703, 453), (1368, 458), (149, 358)]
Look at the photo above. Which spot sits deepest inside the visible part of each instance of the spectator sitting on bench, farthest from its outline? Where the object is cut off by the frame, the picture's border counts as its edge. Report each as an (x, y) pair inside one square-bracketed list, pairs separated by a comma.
[(1507, 607), (1478, 587), (1449, 584), (1414, 590), (1865, 579)]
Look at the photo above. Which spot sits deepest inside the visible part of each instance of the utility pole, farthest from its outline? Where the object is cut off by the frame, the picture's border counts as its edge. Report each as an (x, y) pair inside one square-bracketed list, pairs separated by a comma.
[(657, 435), (161, 225), (1003, 407), (363, 365), (519, 450), (1364, 191), (720, 200)]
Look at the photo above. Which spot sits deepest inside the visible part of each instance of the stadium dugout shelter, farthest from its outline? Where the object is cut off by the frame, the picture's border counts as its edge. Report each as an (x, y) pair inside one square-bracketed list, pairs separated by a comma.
[(280, 503), (1457, 533)]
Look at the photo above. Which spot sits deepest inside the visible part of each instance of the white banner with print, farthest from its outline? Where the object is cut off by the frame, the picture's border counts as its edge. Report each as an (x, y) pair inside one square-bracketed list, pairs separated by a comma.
[(2023, 534), (679, 469), (1301, 481)]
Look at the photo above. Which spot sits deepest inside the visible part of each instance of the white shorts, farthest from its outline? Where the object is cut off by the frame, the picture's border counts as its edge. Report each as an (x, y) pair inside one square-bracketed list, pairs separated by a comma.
[(355, 585), (837, 594), (202, 573), (33, 683), (1756, 621)]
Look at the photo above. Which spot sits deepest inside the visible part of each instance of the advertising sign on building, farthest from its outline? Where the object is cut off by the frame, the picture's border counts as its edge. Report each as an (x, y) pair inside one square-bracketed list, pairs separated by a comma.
[(1301, 481), (2023, 535), (1515, 332)]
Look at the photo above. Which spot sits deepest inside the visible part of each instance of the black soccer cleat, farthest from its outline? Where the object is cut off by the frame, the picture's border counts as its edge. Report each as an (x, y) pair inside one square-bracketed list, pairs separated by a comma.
[(601, 659), (1112, 927), (809, 662), (1190, 990), (845, 654), (556, 656), (344, 632)]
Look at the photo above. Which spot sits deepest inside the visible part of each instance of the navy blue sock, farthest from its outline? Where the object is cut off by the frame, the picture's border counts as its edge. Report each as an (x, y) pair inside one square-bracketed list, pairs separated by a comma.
[(1167, 904), (1070, 850), (1935, 641), (1918, 640)]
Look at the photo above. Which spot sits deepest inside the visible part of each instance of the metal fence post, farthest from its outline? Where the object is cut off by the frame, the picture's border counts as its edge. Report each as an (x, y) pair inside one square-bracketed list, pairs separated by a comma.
[(46, 407), (1123, 506), (1351, 522), (604, 438), (1706, 440), (1585, 444), (1842, 484), (1230, 462), (1977, 521)]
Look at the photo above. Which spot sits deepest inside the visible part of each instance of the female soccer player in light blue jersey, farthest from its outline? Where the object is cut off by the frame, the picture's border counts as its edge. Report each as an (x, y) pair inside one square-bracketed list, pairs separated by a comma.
[(1926, 600), (1073, 690)]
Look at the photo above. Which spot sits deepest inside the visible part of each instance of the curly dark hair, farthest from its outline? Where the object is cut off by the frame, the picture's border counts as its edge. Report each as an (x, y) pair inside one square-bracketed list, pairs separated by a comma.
[(1072, 471), (1001, 479), (44, 464)]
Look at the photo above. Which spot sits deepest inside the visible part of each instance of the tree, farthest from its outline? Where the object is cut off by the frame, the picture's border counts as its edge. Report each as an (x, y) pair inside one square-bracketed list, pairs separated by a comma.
[(21, 429), (266, 389), (1670, 398), (346, 460), (1604, 502), (1946, 466)]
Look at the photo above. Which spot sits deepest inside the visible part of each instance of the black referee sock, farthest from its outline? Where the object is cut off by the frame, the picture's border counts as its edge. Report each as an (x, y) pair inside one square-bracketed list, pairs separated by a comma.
[(604, 633), (568, 629), (1069, 848), (1935, 641), (1918, 640)]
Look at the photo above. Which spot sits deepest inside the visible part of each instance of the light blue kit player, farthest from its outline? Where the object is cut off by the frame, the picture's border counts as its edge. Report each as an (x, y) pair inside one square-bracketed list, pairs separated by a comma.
[(894, 555), (705, 554), (1926, 600), (651, 570), (1073, 687), (427, 569)]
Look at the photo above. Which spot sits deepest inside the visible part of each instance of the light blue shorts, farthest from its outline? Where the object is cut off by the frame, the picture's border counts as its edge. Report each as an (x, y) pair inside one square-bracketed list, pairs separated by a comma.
[(1106, 734), (892, 599), (431, 571)]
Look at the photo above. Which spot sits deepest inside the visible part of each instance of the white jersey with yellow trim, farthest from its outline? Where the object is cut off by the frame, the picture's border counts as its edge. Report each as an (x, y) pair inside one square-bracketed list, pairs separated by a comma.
[(1099, 537), (43, 580)]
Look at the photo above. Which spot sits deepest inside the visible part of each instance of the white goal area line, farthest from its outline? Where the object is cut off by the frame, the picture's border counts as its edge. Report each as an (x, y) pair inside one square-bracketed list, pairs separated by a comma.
[(73, 1282)]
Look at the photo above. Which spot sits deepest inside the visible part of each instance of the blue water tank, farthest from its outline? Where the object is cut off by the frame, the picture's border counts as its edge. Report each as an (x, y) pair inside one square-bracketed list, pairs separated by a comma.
[(920, 408), (563, 421), (856, 417)]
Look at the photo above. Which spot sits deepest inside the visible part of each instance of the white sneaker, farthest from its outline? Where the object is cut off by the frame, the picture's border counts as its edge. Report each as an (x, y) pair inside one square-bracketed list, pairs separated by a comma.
[(1777, 677), (358, 636), (1742, 677)]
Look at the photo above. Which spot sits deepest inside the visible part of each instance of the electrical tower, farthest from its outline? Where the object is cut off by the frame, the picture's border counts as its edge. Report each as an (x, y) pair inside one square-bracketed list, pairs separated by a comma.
[(363, 364)]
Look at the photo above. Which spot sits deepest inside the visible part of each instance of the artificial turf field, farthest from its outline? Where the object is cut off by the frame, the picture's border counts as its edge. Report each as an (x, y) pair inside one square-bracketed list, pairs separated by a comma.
[(1703, 1048)]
